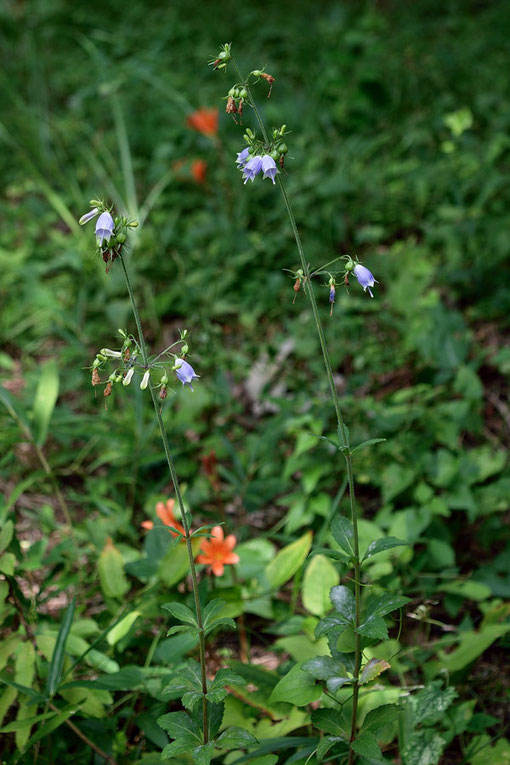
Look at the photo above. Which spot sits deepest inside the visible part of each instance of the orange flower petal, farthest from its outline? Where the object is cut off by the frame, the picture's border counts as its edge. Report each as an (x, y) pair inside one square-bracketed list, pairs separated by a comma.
[(204, 559), (217, 568), (217, 533), (147, 524), (230, 542), (231, 558)]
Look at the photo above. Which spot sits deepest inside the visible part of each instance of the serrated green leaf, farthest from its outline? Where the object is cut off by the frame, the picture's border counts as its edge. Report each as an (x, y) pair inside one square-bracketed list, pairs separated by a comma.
[(425, 747), (331, 721), (182, 628), (380, 717), (212, 608), (373, 669), (378, 606), (370, 442), (57, 660), (366, 745), (45, 399), (296, 687), (179, 725), (111, 572), (203, 754), (288, 560), (181, 612), (329, 669), (432, 701), (235, 738), (6, 535), (325, 744), (338, 555), (343, 533), (380, 545), (226, 676)]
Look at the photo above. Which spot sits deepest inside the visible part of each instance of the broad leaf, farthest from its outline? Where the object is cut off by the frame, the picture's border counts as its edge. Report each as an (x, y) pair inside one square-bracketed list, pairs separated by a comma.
[(6, 535), (380, 545), (111, 572), (121, 629), (325, 744), (380, 717), (366, 745), (373, 669), (235, 738), (320, 576), (179, 725), (343, 532), (297, 687), (288, 561), (329, 669), (432, 702), (372, 623), (331, 721), (202, 755)]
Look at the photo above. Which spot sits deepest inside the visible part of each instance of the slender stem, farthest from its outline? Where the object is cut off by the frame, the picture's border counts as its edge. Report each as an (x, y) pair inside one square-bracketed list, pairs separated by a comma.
[(180, 502), (343, 433)]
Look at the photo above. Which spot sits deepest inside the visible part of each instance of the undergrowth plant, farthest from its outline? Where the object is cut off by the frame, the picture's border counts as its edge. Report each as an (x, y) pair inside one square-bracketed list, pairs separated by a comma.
[(357, 620)]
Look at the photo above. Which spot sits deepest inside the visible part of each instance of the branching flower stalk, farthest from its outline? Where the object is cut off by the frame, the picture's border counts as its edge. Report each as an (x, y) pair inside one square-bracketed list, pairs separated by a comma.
[(342, 430), (110, 240)]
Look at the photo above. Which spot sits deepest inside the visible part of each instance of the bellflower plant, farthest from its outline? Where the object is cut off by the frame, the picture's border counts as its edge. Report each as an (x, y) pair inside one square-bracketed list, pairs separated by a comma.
[(345, 666), (133, 358)]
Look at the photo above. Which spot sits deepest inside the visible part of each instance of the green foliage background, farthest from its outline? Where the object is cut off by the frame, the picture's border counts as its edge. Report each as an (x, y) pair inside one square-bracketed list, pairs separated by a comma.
[(399, 153)]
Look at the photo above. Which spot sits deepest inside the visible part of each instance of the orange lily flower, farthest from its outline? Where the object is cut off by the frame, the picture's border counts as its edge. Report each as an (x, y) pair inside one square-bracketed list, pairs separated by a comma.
[(204, 120), (165, 513), (218, 551)]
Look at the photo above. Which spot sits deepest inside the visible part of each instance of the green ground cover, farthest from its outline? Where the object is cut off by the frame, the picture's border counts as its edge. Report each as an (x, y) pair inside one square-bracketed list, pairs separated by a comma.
[(399, 154)]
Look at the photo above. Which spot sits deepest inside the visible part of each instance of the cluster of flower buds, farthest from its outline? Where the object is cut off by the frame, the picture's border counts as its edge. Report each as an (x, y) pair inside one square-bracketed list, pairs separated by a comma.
[(111, 233), (128, 361), (235, 99), (222, 59), (260, 157)]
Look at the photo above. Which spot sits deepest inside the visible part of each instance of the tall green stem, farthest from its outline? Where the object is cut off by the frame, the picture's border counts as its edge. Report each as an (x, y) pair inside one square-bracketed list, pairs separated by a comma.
[(184, 516), (343, 433)]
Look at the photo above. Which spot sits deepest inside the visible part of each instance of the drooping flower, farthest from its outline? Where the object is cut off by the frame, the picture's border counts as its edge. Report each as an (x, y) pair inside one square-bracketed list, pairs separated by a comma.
[(145, 380), (204, 120), (252, 168), (165, 513), (104, 228), (127, 377), (88, 216), (185, 372), (218, 552), (269, 167), (242, 158), (364, 277)]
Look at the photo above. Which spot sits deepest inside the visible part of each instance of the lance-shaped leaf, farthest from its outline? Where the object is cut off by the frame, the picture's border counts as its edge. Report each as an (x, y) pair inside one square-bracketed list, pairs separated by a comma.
[(343, 532), (57, 659), (333, 671), (370, 442), (373, 669), (288, 561), (380, 545), (373, 625), (181, 612)]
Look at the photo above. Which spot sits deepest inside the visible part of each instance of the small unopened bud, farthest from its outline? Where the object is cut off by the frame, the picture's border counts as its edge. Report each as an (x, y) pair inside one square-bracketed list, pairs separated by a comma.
[(110, 353), (121, 238), (145, 380), (184, 349), (112, 377), (164, 379), (127, 377), (107, 389), (118, 378)]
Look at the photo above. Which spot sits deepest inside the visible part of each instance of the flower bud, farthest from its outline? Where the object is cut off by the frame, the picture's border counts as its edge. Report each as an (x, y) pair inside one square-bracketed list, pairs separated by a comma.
[(185, 349), (145, 380), (121, 238), (164, 379), (243, 93), (110, 353), (118, 378), (127, 377), (112, 377)]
